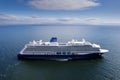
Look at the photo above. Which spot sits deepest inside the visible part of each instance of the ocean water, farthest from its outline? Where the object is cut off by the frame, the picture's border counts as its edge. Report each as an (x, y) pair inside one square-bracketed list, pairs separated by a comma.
[(13, 38)]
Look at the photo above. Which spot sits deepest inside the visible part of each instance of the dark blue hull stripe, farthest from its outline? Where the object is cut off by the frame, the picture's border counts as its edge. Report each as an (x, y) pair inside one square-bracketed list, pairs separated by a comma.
[(85, 56)]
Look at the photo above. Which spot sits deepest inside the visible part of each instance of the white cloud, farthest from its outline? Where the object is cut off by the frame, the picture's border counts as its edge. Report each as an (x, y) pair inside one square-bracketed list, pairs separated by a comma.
[(63, 4), (14, 19), (111, 22), (94, 21)]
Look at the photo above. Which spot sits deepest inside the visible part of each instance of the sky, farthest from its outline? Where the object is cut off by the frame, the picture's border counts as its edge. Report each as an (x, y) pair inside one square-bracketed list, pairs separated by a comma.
[(92, 12)]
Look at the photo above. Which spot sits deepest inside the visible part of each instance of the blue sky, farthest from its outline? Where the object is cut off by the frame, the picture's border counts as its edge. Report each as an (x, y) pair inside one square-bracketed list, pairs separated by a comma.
[(59, 11)]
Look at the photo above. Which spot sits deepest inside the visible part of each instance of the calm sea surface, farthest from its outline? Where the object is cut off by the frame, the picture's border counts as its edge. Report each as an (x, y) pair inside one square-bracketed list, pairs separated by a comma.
[(13, 39)]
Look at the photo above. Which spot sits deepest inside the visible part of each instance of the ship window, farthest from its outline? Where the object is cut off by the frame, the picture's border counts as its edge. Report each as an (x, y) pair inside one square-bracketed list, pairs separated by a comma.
[(58, 53), (64, 53), (68, 53)]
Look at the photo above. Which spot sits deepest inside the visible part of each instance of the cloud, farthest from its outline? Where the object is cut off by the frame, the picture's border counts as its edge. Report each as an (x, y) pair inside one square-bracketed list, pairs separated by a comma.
[(95, 21), (15, 19), (62, 4)]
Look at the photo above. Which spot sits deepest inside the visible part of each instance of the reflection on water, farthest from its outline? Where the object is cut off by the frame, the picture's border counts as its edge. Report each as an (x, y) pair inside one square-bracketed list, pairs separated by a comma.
[(13, 38)]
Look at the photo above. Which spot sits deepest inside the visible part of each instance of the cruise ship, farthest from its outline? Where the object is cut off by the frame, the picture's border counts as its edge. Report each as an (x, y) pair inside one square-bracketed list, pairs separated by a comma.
[(53, 50)]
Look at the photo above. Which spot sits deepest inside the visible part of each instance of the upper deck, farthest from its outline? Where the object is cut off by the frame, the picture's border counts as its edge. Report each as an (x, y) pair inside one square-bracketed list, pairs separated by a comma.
[(69, 43)]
